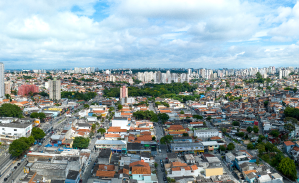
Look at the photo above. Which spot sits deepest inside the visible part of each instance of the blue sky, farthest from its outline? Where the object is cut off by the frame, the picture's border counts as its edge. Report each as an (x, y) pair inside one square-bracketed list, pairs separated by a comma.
[(38, 34)]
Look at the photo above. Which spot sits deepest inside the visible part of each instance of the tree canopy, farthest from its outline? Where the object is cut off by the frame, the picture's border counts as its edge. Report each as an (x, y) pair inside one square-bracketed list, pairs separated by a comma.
[(81, 142), (37, 133), (291, 112), (40, 115), (146, 115), (288, 168), (102, 131), (230, 146), (255, 129), (163, 117), (249, 129), (78, 95), (236, 123), (166, 139), (18, 146), (10, 110), (155, 90), (274, 133)]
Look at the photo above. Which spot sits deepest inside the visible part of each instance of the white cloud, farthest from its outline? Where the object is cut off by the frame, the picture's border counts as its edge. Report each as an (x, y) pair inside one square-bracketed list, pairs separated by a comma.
[(162, 33)]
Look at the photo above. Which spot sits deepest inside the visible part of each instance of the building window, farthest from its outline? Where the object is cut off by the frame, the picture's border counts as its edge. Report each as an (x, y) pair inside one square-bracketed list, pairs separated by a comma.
[(14, 129), (3, 133), (3, 129)]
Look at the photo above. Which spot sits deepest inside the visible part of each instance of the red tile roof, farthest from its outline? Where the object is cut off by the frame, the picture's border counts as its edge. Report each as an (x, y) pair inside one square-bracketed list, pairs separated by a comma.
[(289, 143)]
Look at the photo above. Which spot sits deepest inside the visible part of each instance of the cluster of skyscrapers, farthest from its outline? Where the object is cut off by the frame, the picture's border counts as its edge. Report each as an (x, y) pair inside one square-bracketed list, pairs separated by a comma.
[(86, 70), (168, 77)]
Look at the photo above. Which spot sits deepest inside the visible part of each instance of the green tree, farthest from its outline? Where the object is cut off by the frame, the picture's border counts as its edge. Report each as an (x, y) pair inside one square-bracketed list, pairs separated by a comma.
[(153, 138), (17, 147), (182, 112), (222, 148), (236, 123), (7, 96), (166, 139), (255, 129), (197, 116), (101, 130), (119, 107), (111, 109), (230, 146), (249, 129), (37, 133), (288, 168), (10, 110), (163, 117), (289, 127), (39, 115), (209, 118), (274, 133), (86, 106), (223, 130), (185, 135), (292, 120), (93, 127), (80, 143), (250, 146), (261, 148), (240, 134)]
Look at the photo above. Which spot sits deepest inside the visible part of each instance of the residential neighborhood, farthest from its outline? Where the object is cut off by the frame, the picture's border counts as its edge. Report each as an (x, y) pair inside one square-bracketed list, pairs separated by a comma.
[(82, 126)]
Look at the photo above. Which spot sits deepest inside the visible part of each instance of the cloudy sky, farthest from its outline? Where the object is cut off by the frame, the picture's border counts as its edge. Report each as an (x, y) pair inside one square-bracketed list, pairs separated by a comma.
[(37, 34)]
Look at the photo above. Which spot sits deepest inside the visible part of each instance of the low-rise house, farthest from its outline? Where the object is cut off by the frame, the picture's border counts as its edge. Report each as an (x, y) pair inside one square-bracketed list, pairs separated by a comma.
[(288, 145), (187, 146), (207, 133), (12, 131), (114, 145)]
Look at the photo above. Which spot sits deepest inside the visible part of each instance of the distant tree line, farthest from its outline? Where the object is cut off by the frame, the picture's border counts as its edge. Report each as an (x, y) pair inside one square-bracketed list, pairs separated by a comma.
[(78, 95), (156, 90)]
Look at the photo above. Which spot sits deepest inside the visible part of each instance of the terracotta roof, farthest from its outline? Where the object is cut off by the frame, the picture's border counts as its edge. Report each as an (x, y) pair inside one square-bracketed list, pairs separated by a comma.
[(165, 111), (215, 138), (144, 138), (196, 122), (296, 148), (107, 167), (125, 171), (105, 174), (289, 143), (178, 132), (141, 170), (99, 111), (176, 127), (249, 171), (145, 133), (112, 135), (194, 167), (176, 169), (140, 167), (178, 164), (116, 129)]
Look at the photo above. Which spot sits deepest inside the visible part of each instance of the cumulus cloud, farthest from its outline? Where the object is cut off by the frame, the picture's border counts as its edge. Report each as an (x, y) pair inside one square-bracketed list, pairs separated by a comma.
[(134, 33)]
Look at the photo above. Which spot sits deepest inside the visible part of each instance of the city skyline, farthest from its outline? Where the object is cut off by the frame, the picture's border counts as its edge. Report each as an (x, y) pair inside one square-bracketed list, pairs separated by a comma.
[(116, 34)]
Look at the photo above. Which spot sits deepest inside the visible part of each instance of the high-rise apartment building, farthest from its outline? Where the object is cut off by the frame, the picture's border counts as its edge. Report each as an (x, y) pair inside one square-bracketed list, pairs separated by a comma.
[(123, 92), (55, 89), (2, 94), (26, 89), (7, 87), (158, 77)]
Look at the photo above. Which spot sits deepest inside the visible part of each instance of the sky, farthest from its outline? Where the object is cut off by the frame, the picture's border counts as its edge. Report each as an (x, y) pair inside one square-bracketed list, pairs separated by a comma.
[(43, 34)]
